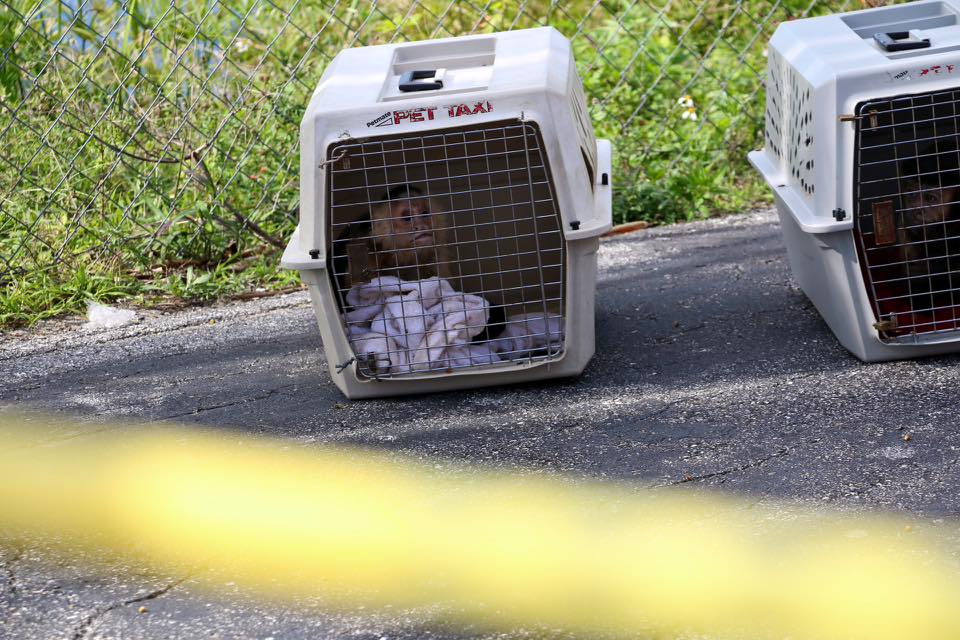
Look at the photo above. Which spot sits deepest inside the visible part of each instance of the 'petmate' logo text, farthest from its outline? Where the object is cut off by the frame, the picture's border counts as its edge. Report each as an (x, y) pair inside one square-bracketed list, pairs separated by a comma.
[(382, 121), (426, 114)]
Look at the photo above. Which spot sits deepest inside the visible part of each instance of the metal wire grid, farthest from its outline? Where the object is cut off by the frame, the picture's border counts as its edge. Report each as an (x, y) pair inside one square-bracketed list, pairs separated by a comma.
[(473, 206), (143, 151), (907, 213), (159, 135)]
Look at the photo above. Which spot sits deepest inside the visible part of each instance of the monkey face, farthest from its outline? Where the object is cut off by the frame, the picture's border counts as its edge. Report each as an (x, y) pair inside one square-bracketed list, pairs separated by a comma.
[(406, 225), (409, 239), (927, 205), (927, 212)]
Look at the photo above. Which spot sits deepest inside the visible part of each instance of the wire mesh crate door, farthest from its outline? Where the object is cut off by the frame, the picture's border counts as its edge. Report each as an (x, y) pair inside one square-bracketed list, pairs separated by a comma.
[(907, 216), (446, 249)]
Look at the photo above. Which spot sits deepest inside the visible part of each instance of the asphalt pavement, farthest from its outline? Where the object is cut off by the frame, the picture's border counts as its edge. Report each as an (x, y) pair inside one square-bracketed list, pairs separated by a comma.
[(712, 369)]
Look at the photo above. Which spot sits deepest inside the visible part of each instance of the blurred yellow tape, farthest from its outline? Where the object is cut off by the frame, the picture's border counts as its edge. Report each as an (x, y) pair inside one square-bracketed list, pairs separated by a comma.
[(501, 548)]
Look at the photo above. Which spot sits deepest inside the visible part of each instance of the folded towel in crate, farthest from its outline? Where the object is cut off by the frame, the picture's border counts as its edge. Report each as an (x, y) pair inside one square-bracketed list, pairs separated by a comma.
[(527, 332), (423, 325)]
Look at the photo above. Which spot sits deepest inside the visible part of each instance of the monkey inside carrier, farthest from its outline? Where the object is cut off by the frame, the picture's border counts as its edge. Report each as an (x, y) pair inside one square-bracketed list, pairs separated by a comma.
[(861, 150), (452, 197)]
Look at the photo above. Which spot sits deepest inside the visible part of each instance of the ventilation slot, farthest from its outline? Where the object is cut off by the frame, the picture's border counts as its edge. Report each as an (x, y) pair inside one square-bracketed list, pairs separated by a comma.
[(800, 158), (588, 143), (776, 92)]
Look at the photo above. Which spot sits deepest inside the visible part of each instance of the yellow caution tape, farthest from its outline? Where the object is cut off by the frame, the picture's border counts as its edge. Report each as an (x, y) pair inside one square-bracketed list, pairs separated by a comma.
[(505, 548)]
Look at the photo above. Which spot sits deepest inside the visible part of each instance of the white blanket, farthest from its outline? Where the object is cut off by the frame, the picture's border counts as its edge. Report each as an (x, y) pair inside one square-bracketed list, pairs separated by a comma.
[(427, 325), (526, 332)]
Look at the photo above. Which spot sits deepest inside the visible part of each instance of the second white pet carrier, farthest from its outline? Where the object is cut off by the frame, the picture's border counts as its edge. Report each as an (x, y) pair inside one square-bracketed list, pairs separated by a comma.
[(862, 154), (452, 195)]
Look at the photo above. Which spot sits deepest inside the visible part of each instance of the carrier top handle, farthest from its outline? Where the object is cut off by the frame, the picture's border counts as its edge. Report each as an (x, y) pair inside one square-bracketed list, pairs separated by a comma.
[(901, 40), (422, 80)]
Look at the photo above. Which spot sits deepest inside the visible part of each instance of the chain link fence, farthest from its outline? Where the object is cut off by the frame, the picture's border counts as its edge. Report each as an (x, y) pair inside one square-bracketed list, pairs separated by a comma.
[(149, 149)]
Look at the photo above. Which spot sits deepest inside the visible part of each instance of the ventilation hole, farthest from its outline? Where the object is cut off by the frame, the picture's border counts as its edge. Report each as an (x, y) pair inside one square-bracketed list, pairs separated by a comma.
[(590, 170)]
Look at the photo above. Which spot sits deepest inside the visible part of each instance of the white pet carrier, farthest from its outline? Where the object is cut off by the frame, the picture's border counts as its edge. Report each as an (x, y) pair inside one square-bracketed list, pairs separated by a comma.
[(452, 195), (861, 151)]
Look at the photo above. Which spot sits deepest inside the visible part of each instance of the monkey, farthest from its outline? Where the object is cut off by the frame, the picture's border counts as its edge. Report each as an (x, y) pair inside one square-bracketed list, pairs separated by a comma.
[(929, 233), (404, 235), (410, 237), (407, 235), (928, 208)]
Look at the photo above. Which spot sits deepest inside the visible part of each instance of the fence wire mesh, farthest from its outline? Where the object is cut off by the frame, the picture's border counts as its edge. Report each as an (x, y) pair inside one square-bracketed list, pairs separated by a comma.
[(150, 148)]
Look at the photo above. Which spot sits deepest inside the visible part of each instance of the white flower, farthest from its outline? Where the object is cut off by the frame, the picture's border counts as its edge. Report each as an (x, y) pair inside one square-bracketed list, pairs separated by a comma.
[(764, 53), (685, 101), (241, 45), (690, 113)]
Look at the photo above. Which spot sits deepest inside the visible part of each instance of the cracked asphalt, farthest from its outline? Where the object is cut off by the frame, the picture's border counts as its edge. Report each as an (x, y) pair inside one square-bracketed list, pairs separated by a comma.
[(712, 369)]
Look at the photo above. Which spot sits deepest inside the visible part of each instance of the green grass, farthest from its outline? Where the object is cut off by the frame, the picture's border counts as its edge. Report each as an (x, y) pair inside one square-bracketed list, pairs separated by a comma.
[(188, 186), (39, 295)]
